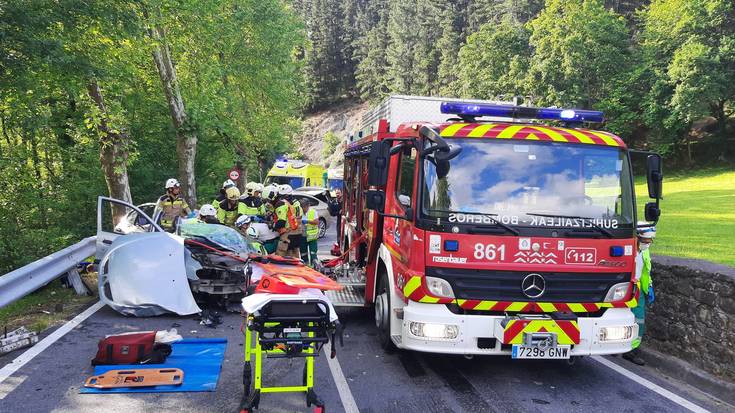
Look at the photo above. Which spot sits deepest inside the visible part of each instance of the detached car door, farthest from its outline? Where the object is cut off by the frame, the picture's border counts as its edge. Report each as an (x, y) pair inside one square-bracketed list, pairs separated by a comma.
[(116, 218)]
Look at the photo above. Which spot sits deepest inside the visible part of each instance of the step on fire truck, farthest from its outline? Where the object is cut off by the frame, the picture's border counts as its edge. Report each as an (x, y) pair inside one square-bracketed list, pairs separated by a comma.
[(473, 227)]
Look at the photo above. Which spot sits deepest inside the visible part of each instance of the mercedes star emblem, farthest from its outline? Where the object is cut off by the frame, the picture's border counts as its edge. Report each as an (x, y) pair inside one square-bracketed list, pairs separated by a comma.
[(533, 285)]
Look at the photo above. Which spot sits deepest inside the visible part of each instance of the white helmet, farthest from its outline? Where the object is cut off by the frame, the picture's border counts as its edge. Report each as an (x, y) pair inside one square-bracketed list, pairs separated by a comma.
[(270, 192), (285, 189), (172, 183), (250, 188), (207, 210), (242, 220), (646, 230), (252, 232), (258, 187), (228, 184)]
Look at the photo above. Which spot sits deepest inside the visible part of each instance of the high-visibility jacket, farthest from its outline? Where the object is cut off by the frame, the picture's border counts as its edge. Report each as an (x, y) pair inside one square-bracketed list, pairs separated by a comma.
[(227, 214), (221, 198), (172, 208), (312, 230), (644, 283), (253, 206), (285, 216)]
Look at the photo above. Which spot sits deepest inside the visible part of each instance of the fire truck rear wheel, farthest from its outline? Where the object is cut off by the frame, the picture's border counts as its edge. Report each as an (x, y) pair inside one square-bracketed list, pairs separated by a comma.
[(382, 314)]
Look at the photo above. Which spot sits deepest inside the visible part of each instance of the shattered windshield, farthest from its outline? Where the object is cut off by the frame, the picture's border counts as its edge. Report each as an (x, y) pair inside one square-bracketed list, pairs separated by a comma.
[(221, 235), (531, 184)]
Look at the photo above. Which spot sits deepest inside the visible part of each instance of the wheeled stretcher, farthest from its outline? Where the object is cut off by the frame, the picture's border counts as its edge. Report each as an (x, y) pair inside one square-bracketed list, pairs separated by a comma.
[(286, 326)]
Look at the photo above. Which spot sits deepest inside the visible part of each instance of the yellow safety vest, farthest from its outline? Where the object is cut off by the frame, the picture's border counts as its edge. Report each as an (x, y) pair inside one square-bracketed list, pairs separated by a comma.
[(312, 231)]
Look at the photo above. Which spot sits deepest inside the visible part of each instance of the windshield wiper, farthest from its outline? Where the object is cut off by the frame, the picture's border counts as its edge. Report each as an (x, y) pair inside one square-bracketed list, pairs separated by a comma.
[(591, 221), (498, 223)]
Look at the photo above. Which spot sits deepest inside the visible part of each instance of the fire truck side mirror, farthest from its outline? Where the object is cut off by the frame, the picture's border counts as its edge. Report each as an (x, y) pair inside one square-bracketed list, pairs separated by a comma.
[(378, 164), (375, 200), (652, 212), (654, 175)]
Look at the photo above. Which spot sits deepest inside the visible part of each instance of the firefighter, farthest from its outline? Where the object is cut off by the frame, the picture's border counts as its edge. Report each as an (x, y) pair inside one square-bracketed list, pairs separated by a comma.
[(310, 236), (269, 197), (286, 223), (254, 237), (229, 210), (646, 234), (242, 223), (222, 193), (253, 203), (208, 214), (172, 205), (335, 209)]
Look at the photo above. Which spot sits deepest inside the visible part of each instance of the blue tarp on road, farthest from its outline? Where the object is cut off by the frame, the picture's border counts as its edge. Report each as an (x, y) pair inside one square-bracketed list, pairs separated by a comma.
[(199, 358)]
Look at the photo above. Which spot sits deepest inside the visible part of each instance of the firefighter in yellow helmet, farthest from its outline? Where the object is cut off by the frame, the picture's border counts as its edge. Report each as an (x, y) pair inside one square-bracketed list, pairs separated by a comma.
[(229, 209), (173, 207), (252, 204), (222, 195), (286, 223)]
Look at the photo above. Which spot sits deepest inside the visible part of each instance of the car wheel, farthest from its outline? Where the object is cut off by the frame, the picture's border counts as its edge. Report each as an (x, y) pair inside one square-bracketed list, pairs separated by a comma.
[(322, 227)]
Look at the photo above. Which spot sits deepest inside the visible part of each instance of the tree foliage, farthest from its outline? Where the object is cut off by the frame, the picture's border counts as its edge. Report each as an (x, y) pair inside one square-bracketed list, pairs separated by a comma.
[(239, 75)]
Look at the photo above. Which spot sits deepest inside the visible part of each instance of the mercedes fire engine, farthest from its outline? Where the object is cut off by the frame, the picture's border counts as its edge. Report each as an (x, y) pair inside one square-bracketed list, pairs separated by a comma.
[(477, 227)]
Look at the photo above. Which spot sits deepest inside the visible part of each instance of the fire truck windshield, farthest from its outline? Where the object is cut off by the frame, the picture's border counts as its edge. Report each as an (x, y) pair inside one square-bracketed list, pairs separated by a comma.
[(531, 183)]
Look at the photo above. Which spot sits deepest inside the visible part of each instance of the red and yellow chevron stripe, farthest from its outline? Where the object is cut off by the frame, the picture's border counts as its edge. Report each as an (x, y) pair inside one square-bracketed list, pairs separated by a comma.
[(567, 331), (415, 291), (529, 132)]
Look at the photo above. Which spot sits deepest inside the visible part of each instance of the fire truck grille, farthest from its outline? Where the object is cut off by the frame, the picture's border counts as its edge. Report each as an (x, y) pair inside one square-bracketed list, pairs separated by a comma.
[(506, 285)]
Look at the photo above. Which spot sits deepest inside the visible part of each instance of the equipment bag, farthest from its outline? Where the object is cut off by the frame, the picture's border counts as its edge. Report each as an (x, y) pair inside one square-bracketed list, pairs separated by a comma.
[(131, 348)]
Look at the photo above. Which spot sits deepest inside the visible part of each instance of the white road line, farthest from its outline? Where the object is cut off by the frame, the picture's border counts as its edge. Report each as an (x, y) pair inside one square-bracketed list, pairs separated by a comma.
[(651, 386), (42, 345), (345, 394)]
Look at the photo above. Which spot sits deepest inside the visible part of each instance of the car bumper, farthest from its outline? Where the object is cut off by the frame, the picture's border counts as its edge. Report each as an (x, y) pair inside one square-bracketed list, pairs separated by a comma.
[(487, 327)]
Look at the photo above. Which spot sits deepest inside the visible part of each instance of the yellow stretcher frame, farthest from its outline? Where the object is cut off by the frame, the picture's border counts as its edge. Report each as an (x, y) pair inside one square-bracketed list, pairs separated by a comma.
[(254, 354)]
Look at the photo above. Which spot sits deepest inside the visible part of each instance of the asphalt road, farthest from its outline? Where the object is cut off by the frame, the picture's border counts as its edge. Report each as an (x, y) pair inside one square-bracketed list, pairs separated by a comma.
[(397, 382)]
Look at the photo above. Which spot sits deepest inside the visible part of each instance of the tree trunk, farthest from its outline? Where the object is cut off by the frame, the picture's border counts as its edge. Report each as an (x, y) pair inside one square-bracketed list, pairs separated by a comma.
[(113, 154), (186, 138)]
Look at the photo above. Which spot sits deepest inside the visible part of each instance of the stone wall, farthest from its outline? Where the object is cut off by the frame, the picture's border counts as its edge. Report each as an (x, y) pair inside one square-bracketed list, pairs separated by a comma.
[(693, 316)]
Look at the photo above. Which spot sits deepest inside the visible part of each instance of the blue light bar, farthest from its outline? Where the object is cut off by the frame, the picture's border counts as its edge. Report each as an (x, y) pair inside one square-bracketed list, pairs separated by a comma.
[(503, 111)]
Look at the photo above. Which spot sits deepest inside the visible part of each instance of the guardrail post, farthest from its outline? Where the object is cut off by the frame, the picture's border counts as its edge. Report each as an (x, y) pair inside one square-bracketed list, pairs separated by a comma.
[(76, 281)]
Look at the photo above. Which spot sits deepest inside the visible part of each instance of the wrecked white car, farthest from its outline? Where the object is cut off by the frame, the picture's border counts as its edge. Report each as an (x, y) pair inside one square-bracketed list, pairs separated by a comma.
[(148, 271)]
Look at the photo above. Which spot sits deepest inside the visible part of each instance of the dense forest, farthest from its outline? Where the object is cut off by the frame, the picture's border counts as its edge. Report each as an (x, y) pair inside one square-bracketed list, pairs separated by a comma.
[(663, 71), (113, 97)]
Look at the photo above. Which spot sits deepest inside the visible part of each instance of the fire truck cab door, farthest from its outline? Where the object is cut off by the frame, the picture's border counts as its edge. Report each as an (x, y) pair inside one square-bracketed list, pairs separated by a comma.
[(401, 201)]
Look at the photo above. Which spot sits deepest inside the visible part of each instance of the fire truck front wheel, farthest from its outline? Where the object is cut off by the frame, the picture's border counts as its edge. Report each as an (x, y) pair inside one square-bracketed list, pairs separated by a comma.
[(382, 314)]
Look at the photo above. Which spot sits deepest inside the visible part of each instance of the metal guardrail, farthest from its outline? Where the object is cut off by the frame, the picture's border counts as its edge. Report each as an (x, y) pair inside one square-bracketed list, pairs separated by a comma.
[(23, 281)]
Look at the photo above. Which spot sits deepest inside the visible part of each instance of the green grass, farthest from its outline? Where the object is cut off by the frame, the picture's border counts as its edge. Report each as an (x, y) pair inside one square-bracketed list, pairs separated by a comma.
[(36, 311), (697, 215)]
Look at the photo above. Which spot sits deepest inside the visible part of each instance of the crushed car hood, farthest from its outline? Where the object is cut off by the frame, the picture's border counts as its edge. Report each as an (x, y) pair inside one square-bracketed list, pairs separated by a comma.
[(144, 275)]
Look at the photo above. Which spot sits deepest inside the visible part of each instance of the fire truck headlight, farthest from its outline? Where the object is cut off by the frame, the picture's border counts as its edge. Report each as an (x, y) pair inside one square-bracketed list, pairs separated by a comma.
[(617, 292), (439, 287), (434, 331), (618, 333)]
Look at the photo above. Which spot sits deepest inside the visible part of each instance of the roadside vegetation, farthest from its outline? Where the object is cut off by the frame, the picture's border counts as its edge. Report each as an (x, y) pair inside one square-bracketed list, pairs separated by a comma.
[(44, 308), (698, 215)]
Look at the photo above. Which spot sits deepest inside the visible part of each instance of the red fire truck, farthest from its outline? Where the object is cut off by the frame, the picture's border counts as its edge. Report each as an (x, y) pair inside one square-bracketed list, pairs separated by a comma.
[(473, 227)]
